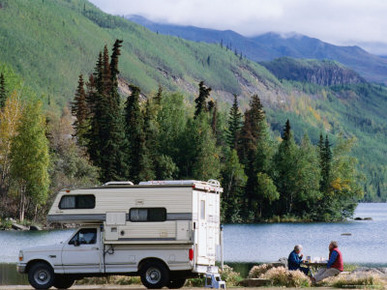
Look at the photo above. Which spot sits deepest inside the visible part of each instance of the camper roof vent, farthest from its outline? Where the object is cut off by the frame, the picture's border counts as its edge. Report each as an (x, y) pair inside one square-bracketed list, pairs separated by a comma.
[(118, 183)]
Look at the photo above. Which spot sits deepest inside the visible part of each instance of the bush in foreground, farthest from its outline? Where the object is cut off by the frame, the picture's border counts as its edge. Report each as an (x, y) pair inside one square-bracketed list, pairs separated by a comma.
[(280, 276), (354, 280)]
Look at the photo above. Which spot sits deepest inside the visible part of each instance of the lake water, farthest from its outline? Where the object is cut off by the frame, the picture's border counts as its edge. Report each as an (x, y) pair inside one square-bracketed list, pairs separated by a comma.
[(366, 244), (259, 243)]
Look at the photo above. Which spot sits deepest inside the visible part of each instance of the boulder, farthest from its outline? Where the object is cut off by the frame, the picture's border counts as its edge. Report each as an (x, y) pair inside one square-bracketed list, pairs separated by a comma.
[(35, 228)]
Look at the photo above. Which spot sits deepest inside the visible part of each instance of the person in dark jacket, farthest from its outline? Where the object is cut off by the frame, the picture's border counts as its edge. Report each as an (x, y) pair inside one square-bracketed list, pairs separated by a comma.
[(335, 263), (295, 260)]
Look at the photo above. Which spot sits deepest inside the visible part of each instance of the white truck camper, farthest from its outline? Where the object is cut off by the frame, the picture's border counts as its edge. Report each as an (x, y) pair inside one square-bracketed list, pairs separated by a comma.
[(162, 231)]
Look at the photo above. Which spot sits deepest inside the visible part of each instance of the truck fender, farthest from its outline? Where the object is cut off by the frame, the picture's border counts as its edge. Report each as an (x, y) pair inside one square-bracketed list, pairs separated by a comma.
[(36, 260)]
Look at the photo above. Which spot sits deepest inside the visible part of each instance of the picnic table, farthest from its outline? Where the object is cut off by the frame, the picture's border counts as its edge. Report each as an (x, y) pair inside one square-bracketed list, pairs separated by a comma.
[(313, 266)]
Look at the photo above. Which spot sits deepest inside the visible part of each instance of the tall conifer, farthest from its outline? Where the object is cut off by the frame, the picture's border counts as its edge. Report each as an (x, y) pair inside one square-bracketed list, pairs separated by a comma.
[(234, 124), (3, 92), (201, 100), (80, 109)]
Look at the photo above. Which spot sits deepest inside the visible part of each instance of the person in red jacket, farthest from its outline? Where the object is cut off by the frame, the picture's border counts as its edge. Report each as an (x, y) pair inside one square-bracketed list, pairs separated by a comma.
[(335, 264)]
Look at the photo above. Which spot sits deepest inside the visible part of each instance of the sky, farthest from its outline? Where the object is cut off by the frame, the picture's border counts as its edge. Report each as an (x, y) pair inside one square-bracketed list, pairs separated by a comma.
[(340, 22)]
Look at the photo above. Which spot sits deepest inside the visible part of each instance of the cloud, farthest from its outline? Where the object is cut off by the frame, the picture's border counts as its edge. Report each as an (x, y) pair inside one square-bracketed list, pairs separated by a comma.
[(335, 21)]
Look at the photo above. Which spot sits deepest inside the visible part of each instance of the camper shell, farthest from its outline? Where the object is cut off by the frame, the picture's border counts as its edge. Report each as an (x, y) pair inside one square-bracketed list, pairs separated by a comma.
[(171, 228)]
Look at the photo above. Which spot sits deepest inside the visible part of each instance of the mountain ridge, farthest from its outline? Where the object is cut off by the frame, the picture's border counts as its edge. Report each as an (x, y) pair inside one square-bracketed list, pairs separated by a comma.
[(272, 45)]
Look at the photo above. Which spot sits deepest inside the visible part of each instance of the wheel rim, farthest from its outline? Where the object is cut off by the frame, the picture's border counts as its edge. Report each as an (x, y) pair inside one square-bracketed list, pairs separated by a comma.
[(42, 276), (153, 275)]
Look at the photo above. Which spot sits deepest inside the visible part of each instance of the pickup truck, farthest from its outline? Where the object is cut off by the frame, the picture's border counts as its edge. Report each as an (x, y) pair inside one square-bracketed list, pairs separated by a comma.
[(85, 254)]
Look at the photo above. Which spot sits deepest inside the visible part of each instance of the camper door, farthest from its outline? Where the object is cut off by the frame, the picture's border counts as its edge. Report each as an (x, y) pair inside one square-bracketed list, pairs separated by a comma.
[(206, 229)]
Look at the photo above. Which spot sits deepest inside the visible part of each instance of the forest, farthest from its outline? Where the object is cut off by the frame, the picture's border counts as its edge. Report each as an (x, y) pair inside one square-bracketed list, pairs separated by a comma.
[(102, 136)]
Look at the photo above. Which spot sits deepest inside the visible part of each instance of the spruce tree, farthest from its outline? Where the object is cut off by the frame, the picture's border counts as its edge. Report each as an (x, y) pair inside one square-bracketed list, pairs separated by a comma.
[(285, 171), (201, 100), (252, 144), (3, 92), (106, 137), (80, 109), (134, 133), (325, 163), (234, 125)]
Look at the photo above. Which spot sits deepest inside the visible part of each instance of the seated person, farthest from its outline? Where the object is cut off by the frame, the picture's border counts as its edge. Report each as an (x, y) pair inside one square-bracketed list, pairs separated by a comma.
[(335, 264), (295, 260)]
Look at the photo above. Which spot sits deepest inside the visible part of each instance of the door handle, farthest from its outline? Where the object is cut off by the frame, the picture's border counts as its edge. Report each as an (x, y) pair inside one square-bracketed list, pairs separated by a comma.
[(95, 248)]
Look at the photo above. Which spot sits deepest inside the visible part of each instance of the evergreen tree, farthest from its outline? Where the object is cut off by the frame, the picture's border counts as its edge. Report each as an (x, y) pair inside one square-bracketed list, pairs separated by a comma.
[(80, 110), (3, 91), (251, 136), (134, 133), (285, 171), (106, 137), (325, 163), (201, 100), (158, 97), (234, 125), (207, 155), (30, 160)]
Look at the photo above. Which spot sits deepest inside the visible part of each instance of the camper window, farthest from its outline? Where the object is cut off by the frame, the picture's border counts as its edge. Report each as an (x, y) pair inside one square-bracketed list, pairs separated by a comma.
[(77, 201), (157, 214)]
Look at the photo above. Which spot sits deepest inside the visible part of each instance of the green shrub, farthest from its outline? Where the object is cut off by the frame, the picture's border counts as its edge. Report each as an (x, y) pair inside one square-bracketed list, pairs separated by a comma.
[(231, 277), (5, 224), (195, 282)]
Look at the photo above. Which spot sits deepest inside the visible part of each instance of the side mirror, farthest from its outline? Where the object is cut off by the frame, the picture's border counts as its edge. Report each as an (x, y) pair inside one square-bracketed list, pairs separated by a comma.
[(76, 243)]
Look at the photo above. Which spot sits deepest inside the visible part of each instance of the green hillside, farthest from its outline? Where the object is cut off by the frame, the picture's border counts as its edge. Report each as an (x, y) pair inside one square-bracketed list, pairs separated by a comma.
[(48, 43)]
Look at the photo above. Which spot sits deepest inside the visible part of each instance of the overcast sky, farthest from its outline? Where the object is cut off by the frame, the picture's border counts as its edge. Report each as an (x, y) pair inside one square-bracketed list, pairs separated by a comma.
[(341, 22)]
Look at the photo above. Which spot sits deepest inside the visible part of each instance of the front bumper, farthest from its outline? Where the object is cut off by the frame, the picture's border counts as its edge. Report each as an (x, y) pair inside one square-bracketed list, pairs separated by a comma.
[(21, 268)]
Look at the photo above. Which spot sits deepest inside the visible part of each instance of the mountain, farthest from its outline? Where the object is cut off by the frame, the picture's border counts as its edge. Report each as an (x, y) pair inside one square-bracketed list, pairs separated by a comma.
[(323, 73), (48, 44), (269, 46)]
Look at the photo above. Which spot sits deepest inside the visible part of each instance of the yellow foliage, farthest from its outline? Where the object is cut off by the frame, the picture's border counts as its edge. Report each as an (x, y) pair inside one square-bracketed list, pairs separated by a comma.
[(315, 113), (339, 185), (9, 119)]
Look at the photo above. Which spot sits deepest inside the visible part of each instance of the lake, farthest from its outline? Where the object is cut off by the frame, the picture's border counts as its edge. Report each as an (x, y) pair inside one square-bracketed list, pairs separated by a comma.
[(258, 243)]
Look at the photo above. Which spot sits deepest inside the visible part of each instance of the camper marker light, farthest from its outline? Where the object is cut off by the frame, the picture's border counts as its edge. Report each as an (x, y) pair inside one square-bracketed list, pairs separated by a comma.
[(190, 254), (21, 256)]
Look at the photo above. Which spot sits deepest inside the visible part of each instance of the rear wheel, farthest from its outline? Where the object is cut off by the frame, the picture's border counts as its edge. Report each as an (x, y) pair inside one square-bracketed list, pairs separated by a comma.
[(41, 276), (176, 283), (63, 282), (154, 275)]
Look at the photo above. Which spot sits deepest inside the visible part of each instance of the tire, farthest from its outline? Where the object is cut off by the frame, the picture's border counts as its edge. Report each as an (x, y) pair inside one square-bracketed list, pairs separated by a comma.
[(154, 275), (176, 283), (63, 282), (41, 275)]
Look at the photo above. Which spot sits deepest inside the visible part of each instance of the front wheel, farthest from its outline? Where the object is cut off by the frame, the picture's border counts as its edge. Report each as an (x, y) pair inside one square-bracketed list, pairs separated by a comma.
[(41, 276), (63, 282), (154, 275)]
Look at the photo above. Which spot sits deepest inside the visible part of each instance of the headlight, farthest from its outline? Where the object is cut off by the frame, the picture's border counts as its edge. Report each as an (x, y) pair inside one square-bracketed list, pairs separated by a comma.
[(21, 256)]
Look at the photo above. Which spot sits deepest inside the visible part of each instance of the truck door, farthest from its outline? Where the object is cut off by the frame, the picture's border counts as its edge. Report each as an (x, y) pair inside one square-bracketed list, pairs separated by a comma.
[(82, 253)]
